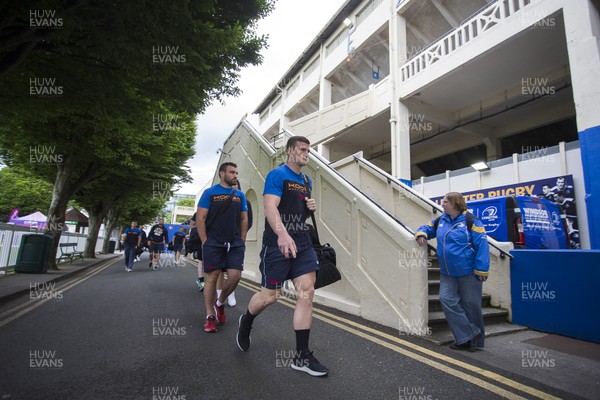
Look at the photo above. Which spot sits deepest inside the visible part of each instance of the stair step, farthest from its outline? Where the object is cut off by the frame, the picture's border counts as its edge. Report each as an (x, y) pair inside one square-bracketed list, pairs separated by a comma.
[(436, 305), (433, 274), (433, 287), (491, 315), (444, 336)]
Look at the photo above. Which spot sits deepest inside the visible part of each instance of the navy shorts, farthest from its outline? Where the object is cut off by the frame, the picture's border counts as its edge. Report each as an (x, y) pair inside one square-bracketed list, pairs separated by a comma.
[(276, 269), (222, 256), (177, 247), (157, 248)]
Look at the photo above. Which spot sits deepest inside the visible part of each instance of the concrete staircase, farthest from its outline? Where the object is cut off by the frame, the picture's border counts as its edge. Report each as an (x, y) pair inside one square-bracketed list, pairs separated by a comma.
[(495, 319)]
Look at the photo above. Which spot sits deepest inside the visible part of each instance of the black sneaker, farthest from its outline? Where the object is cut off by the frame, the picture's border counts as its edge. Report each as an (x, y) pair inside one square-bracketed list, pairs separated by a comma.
[(456, 346), (306, 362), (150, 265), (243, 335)]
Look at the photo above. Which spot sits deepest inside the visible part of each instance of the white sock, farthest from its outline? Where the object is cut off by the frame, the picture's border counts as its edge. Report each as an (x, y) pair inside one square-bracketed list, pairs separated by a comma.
[(219, 304), (218, 294)]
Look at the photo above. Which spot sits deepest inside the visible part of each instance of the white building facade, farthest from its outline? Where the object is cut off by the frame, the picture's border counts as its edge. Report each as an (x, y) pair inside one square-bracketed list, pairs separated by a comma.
[(422, 87)]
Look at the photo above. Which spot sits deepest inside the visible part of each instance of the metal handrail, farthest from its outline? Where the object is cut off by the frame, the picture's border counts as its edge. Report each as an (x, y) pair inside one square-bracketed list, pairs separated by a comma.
[(435, 207)]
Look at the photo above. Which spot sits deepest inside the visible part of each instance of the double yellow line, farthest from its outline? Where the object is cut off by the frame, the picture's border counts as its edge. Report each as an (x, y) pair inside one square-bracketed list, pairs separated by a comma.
[(431, 358), (15, 312)]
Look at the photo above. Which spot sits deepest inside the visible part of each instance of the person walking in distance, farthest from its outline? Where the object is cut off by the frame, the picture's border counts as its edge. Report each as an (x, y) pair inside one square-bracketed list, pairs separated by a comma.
[(178, 242), (464, 255), (131, 239), (287, 253), (222, 222), (157, 238)]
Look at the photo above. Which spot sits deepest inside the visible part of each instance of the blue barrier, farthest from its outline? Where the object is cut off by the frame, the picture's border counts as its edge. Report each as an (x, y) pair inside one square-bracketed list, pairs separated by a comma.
[(556, 291)]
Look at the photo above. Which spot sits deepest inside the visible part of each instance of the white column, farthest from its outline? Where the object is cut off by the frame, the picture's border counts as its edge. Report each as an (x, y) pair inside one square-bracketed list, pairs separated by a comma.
[(399, 113), (582, 26)]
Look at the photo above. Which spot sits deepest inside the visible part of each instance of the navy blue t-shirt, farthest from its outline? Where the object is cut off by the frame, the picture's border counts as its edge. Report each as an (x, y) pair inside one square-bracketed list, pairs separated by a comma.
[(158, 234), (290, 188), (226, 226), (178, 238), (132, 235)]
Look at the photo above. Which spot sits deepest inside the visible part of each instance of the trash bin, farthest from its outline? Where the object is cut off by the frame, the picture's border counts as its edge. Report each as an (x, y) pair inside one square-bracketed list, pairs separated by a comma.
[(111, 246), (34, 254)]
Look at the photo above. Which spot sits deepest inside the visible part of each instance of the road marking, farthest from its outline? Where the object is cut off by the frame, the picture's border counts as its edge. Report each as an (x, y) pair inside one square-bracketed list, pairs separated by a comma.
[(408, 348), (24, 308)]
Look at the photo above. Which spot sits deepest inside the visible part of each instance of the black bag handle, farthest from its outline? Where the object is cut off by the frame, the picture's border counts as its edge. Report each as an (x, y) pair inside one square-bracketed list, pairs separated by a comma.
[(312, 214)]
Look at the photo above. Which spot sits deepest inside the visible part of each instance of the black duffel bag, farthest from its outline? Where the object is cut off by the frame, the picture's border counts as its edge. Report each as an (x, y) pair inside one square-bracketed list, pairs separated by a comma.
[(328, 272)]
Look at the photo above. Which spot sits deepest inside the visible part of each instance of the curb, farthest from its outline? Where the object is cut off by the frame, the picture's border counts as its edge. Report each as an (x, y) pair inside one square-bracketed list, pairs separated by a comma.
[(11, 296)]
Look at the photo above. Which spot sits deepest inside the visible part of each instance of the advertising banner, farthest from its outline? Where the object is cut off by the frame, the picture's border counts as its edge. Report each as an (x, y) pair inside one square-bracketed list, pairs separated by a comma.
[(559, 190)]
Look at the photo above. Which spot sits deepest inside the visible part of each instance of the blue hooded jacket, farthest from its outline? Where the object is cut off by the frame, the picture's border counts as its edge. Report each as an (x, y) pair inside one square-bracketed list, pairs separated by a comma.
[(459, 251)]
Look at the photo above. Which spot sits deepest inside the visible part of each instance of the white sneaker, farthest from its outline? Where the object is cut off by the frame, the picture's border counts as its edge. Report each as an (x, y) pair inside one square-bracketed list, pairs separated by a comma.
[(231, 300), (128, 270)]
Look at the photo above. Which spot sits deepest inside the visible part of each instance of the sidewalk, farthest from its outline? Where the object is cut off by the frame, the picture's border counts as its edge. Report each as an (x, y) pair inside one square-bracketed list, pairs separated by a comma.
[(17, 284)]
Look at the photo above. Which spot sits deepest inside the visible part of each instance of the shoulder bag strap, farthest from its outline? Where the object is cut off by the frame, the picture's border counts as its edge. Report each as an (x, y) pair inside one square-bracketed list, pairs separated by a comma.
[(312, 214)]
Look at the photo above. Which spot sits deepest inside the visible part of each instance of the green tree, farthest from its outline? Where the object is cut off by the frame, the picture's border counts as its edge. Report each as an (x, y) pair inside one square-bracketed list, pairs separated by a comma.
[(98, 93), (186, 202), (23, 190)]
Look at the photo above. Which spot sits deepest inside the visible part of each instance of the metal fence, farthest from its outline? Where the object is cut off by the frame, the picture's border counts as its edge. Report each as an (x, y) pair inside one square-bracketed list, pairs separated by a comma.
[(10, 240)]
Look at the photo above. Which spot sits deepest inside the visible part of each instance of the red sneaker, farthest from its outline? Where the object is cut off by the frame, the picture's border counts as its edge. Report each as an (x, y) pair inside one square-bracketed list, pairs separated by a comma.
[(210, 324), (220, 313)]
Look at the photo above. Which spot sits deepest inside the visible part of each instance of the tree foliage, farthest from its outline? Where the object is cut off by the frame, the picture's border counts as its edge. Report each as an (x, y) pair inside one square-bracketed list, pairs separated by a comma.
[(22, 190), (91, 89)]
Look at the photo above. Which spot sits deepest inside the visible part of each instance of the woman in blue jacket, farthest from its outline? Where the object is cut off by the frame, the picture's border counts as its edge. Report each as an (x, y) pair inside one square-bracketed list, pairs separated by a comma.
[(464, 259)]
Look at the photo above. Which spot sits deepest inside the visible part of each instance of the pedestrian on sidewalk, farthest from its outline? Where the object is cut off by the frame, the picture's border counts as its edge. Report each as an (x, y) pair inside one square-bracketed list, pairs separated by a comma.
[(464, 256), (222, 222), (178, 242), (287, 253), (158, 237), (131, 239), (193, 254)]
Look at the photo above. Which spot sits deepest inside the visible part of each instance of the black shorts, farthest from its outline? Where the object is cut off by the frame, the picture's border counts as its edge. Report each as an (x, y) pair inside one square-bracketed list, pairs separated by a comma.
[(177, 247), (276, 269), (222, 256), (157, 247)]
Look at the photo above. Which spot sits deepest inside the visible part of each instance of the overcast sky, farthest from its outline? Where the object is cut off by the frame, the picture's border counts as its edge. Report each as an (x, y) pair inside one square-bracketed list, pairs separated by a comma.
[(291, 27)]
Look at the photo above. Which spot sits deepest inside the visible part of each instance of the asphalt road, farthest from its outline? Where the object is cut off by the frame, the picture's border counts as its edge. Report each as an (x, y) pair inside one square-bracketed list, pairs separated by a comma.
[(109, 334)]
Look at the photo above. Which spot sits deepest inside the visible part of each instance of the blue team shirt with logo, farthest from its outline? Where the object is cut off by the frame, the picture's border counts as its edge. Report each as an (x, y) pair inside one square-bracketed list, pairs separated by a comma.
[(226, 227), (132, 236), (290, 188)]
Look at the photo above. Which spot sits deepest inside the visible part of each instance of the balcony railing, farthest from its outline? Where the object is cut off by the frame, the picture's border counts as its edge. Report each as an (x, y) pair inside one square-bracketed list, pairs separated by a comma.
[(489, 17)]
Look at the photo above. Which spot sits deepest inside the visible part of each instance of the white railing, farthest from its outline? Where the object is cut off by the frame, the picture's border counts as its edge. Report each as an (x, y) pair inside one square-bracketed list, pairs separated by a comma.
[(489, 17), (10, 241)]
